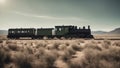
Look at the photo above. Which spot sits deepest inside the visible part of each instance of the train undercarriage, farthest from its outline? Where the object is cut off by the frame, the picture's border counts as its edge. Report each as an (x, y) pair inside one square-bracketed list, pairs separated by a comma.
[(51, 37)]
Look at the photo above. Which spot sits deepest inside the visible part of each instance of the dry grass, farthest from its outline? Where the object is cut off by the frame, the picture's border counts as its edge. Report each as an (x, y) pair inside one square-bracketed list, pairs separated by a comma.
[(77, 53)]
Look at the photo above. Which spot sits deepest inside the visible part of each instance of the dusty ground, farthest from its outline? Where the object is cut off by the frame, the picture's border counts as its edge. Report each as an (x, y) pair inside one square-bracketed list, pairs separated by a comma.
[(107, 36), (75, 53)]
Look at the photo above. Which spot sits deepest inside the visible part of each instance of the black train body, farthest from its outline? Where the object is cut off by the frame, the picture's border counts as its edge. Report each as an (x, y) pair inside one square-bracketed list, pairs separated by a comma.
[(21, 32), (58, 31)]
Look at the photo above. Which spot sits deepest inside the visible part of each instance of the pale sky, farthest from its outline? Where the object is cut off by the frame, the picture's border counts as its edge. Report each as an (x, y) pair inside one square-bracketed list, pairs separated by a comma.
[(99, 14)]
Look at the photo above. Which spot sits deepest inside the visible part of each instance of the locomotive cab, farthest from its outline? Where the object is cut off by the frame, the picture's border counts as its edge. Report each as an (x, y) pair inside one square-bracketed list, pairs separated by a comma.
[(62, 30)]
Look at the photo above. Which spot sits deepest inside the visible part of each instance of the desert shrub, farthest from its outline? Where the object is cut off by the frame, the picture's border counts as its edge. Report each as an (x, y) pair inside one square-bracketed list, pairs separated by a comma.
[(107, 42), (77, 60), (40, 52), (67, 54), (98, 59), (99, 42), (67, 43), (76, 47), (116, 44), (29, 50), (8, 58), (37, 63), (105, 64), (62, 47), (42, 44), (10, 65), (70, 50), (1, 41), (105, 45), (5, 47), (50, 47), (65, 57), (13, 47), (56, 45), (23, 60), (60, 64), (91, 58), (10, 42), (4, 58), (1, 46), (111, 54), (49, 57), (92, 46)]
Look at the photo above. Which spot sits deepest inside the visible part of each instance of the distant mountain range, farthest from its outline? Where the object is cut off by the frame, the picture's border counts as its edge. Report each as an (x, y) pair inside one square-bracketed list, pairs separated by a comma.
[(99, 32), (115, 31)]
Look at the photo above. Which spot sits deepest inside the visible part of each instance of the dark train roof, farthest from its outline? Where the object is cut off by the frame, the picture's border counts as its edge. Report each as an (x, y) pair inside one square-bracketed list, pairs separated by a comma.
[(65, 26), (45, 28), (22, 29)]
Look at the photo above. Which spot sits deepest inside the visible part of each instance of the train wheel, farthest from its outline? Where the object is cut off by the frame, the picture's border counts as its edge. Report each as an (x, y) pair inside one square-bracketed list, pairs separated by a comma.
[(55, 38), (45, 38), (32, 38), (62, 38)]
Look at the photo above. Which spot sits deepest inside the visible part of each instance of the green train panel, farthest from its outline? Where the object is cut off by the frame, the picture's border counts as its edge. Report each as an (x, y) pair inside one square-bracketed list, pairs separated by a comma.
[(44, 31), (62, 30)]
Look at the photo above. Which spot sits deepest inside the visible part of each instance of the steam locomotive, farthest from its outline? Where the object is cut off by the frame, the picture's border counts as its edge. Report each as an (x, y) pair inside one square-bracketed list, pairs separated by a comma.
[(69, 31)]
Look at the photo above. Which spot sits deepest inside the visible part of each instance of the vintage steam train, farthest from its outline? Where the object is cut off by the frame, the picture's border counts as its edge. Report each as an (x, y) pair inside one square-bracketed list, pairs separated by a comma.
[(58, 32)]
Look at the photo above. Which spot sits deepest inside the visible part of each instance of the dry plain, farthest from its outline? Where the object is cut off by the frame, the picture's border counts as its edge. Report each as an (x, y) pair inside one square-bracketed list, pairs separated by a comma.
[(56, 53)]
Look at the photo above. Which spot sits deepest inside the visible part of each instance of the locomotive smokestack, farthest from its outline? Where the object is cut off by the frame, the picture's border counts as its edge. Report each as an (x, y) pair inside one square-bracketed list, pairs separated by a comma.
[(75, 27), (83, 27), (88, 26)]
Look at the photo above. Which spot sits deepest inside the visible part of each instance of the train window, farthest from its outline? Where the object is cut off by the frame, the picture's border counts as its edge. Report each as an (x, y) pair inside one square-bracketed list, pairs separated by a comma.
[(22, 32), (60, 29), (12, 31), (18, 31)]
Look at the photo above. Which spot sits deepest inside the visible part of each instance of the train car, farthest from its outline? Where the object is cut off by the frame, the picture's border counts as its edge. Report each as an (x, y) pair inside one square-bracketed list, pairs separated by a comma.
[(16, 33), (44, 32)]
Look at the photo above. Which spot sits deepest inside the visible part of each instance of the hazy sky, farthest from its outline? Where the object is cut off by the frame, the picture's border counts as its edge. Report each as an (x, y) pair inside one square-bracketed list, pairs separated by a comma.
[(100, 14)]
